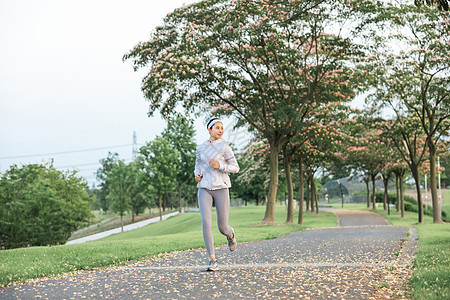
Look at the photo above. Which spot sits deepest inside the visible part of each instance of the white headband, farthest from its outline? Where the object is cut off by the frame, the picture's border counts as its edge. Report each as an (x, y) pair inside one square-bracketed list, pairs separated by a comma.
[(212, 122)]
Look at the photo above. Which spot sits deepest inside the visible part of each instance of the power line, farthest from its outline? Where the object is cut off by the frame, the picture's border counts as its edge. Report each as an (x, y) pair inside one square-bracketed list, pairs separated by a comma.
[(79, 165), (65, 152), (87, 164)]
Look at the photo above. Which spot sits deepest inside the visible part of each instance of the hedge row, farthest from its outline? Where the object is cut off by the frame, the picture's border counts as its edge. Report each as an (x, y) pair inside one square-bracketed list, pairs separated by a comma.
[(410, 204)]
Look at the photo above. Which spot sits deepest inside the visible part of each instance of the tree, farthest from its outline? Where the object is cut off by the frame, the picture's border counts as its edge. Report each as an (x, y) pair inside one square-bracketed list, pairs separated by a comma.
[(319, 144), (261, 61), (137, 188), (311, 194), (390, 159), (180, 134), (410, 143), (161, 164), (399, 172), (287, 167), (440, 4), (301, 190), (416, 82), (365, 154), (119, 188), (40, 205), (102, 174)]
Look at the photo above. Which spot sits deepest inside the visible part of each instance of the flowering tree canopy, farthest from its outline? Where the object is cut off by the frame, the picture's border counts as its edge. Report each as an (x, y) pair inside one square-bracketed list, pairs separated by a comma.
[(268, 63), (414, 81)]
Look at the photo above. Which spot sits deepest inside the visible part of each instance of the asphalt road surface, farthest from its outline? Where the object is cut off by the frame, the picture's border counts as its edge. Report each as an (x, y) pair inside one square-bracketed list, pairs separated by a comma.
[(363, 258)]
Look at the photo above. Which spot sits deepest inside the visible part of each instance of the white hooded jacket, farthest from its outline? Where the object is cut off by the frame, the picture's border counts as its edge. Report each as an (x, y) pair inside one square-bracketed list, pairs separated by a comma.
[(214, 179)]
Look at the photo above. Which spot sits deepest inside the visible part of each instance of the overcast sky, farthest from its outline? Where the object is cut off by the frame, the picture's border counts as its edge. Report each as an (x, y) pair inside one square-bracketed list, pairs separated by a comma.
[(63, 85)]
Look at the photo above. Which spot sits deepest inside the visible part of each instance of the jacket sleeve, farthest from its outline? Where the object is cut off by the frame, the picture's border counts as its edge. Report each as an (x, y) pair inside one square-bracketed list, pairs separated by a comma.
[(197, 162), (230, 165)]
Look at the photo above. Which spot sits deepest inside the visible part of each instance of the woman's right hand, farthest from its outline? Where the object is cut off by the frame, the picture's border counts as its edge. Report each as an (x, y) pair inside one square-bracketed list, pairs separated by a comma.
[(198, 177)]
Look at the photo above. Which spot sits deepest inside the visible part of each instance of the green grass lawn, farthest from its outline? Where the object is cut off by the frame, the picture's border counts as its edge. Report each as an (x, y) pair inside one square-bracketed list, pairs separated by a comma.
[(431, 277), (177, 233)]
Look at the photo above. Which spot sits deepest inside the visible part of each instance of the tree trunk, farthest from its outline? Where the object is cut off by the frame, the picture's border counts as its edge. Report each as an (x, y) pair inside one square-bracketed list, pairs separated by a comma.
[(132, 216), (180, 210), (121, 220), (433, 183), (160, 208), (287, 169), (311, 197), (386, 186), (301, 192), (368, 191), (269, 217), (164, 202), (307, 194), (397, 185), (314, 192), (374, 188), (416, 175), (402, 202)]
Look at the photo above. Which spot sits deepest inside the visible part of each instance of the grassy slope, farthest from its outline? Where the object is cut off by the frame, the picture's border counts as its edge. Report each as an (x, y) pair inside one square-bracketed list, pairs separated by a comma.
[(111, 221), (177, 233)]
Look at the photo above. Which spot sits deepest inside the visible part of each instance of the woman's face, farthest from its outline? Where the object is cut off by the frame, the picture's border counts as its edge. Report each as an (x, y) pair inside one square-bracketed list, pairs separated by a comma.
[(216, 132)]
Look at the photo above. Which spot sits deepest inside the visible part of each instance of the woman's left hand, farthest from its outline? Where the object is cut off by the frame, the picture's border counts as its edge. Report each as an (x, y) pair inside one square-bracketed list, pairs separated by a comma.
[(214, 164)]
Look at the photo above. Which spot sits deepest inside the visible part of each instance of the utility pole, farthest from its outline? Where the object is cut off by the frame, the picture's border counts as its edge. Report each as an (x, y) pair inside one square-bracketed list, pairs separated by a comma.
[(134, 155)]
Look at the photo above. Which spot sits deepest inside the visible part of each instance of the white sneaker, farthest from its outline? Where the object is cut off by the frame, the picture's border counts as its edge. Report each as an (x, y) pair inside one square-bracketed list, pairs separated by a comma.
[(232, 243), (213, 266)]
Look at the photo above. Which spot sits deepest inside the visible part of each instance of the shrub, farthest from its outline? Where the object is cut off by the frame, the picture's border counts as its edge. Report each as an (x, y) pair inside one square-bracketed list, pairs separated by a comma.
[(409, 202)]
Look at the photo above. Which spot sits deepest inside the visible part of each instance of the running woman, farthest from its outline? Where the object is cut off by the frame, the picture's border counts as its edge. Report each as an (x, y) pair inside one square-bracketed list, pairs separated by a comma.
[(214, 160)]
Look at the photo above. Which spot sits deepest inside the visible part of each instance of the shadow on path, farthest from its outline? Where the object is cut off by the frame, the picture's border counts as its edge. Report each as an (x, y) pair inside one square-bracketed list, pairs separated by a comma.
[(361, 259)]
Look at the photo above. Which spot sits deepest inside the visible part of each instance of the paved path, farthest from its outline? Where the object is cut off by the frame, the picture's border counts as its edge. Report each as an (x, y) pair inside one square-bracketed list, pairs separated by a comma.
[(358, 218), (348, 262), (119, 229)]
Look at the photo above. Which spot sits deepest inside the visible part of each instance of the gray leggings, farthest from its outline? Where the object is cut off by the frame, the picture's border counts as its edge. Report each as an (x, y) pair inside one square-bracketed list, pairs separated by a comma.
[(222, 199)]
